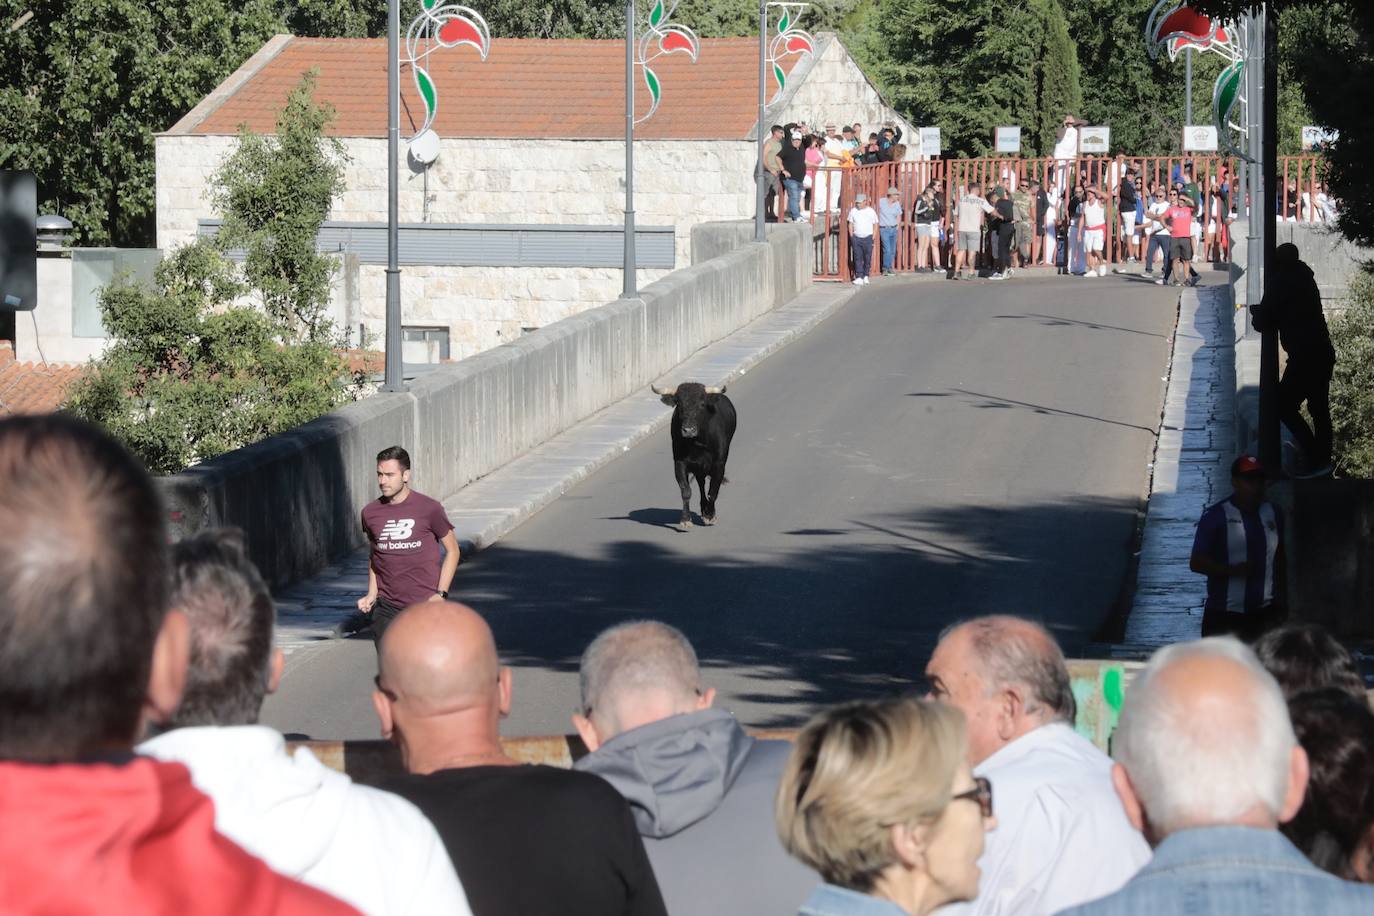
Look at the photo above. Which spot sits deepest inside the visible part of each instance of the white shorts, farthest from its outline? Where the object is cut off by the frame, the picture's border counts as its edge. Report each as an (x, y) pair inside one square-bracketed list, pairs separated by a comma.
[(926, 230), (1094, 239), (1128, 222)]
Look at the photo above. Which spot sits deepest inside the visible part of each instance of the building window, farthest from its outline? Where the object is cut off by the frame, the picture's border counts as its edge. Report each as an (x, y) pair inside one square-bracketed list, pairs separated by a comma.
[(424, 344)]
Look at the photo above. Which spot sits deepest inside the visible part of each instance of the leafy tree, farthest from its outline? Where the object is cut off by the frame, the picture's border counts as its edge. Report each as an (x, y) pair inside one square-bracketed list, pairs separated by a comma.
[(1352, 385), (969, 65), (274, 191), (190, 373), (86, 85)]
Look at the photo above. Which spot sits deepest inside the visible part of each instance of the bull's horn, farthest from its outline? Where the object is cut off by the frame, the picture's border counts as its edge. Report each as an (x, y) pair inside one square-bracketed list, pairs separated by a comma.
[(711, 390), (663, 391)]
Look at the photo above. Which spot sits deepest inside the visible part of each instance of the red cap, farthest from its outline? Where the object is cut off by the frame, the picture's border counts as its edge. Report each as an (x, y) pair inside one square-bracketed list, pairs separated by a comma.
[(1246, 465)]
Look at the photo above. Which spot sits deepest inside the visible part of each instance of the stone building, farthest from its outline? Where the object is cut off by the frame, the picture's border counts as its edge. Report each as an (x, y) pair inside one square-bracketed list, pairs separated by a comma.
[(516, 223)]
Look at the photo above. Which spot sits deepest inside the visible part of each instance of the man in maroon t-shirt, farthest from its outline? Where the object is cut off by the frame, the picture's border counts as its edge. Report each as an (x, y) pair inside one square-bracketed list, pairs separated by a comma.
[(406, 529)]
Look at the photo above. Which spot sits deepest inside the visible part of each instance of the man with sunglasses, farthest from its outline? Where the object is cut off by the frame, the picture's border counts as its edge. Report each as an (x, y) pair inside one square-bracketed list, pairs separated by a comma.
[(1061, 838)]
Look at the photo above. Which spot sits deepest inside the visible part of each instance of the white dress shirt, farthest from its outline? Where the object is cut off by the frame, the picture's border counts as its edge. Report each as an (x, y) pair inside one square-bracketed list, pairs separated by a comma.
[(1062, 837)]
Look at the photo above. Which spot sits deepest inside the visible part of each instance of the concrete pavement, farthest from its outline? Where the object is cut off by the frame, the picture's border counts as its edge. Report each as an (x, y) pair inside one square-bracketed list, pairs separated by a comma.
[(934, 450)]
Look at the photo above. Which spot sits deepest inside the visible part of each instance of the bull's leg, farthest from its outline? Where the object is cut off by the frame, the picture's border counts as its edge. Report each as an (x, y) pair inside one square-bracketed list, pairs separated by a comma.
[(708, 500), (706, 513), (684, 485)]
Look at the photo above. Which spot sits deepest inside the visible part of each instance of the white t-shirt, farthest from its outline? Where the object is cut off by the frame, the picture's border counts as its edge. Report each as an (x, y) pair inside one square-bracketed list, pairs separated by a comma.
[(1062, 838), (1067, 147), (1157, 210), (863, 219), (834, 146), (971, 210), (1094, 216)]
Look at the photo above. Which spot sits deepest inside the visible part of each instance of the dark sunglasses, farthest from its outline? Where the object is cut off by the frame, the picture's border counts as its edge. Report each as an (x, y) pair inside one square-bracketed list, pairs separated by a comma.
[(980, 793)]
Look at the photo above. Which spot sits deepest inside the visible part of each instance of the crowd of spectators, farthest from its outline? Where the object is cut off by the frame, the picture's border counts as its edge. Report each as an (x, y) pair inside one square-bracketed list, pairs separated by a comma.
[(135, 778), (795, 152)]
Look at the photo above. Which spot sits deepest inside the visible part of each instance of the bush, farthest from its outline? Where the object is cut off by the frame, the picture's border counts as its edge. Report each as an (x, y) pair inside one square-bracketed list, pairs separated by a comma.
[(189, 374), (1352, 385)]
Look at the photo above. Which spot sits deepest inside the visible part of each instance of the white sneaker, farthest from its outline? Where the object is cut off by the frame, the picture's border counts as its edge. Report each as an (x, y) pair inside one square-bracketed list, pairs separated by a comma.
[(858, 281), (997, 276), (1102, 270), (1159, 282)]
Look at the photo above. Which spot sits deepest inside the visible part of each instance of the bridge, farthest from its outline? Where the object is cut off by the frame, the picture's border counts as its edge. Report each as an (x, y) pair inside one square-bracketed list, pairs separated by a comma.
[(909, 454)]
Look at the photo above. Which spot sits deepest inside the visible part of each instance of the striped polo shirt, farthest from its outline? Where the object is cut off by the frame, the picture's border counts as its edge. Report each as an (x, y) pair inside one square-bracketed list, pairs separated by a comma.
[(1230, 535)]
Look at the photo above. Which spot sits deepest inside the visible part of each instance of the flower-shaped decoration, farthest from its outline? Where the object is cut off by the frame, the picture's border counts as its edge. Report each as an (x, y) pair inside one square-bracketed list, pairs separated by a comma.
[(662, 37), (1174, 25), (788, 40), (447, 26)]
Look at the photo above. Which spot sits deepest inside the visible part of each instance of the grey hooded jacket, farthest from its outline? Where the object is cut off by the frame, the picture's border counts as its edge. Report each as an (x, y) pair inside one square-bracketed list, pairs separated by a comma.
[(702, 795)]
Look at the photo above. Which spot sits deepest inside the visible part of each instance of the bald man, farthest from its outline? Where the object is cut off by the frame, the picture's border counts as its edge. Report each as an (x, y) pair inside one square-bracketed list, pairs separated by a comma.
[(524, 839), (1208, 766), (1061, 838), (700, 788)]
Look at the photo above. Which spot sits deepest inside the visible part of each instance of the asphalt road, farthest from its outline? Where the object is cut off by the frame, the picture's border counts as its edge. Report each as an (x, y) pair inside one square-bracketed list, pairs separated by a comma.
[(933, 451)]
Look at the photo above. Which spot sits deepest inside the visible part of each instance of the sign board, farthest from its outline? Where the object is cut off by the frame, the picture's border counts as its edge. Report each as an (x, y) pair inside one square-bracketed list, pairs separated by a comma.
[(1007, 139), (1318, 138), (18, 241), (1200, 138), (1094, 140), (930, 142)]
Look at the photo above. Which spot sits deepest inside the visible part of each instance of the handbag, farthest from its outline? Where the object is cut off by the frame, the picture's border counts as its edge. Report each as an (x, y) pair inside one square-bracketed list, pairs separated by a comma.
[(806, 181)]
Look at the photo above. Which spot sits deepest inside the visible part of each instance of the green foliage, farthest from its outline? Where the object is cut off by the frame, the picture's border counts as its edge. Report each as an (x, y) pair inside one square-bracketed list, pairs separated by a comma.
[(191, 374), (86, 85), (1352, 385), (275, 191), (968, 65)]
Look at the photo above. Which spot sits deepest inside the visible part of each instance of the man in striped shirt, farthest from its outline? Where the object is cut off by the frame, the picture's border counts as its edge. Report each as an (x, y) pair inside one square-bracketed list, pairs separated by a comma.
[(1239, 548)]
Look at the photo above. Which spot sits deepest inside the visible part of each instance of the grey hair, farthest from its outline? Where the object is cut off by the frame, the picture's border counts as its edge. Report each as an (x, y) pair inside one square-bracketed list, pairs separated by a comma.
[(1014, 652), (635, 656), (1191, 769), (231, 618)]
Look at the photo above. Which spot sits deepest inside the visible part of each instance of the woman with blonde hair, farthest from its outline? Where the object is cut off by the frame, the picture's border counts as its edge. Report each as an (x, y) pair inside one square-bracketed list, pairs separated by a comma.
[(877, 797)]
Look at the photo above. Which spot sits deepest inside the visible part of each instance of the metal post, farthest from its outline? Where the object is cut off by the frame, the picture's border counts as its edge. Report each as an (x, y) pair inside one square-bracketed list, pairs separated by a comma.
[(1188, 86), (1254, 114), (1270, 441), (760, 191), (393, 379), (629, 291)]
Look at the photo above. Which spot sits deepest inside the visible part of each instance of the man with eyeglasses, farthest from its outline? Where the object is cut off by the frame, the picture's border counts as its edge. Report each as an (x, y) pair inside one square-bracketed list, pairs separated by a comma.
[(1062, 838), (524, 839)]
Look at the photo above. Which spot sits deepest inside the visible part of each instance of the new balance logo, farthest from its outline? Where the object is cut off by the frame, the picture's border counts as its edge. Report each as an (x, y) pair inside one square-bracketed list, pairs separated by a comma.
[(398, 529)]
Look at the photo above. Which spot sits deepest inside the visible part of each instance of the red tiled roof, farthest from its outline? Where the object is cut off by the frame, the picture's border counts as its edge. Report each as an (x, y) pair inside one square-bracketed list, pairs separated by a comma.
[(536, 88), (27, 388)]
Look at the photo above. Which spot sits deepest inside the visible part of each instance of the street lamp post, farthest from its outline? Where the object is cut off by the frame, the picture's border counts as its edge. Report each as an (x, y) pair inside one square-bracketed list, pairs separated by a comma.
[(629, 290), (760, 190), (392, 379)]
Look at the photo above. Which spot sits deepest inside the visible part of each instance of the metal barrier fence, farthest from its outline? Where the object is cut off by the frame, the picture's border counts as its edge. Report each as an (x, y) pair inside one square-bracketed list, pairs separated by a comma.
[(831, 195)]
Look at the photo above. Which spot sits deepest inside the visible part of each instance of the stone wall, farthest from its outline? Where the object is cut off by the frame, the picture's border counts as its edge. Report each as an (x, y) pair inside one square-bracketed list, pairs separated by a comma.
[(677, 183), (1333, 260), (46, 333)]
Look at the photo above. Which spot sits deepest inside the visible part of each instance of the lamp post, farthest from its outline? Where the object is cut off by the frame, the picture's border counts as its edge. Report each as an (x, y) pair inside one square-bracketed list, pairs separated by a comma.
[(392, 378), (629, 290), (761, 192), (789, 40)]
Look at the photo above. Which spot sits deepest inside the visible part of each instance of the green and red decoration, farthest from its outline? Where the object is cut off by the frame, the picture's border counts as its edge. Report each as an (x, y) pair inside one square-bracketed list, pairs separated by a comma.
[(789, 40), (663, 36), (1173, 26), (440, 26)]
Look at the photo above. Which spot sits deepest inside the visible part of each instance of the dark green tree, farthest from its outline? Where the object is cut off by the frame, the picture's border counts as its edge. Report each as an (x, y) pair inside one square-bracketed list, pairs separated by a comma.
[(191, 371), (275, 191)]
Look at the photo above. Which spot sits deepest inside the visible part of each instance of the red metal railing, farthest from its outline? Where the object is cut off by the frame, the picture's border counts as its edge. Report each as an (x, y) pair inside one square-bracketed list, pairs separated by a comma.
[(833, 191)]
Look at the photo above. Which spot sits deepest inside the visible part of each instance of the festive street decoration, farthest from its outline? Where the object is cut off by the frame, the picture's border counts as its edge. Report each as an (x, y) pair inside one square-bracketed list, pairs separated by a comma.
[(663, 36), (440, 26), (788, 40), (1174, 26)]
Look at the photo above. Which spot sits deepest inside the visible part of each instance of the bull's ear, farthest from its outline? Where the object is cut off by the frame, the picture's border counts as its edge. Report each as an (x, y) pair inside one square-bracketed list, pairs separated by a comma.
[(670, 398)]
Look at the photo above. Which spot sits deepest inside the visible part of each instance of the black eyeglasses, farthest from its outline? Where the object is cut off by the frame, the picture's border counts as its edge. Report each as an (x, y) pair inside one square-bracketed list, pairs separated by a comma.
[(980, 793)]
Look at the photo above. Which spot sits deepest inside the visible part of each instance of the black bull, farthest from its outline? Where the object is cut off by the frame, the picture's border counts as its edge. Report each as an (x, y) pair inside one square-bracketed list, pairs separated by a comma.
[(703, 425)]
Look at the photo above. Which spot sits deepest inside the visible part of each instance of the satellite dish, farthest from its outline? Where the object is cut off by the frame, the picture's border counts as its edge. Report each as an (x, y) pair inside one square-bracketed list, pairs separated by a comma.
[(424, 149)]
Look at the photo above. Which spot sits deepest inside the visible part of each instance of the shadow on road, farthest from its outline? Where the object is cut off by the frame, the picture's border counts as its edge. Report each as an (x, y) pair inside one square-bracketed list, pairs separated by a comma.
[(658, 518), (849, 612)]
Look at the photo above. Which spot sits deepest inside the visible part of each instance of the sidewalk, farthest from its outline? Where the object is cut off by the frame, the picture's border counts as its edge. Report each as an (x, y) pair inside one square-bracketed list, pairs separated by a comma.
[(487, 509), (1196, 441)]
